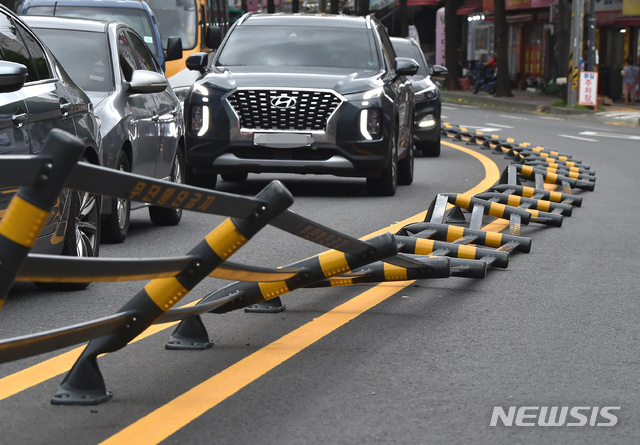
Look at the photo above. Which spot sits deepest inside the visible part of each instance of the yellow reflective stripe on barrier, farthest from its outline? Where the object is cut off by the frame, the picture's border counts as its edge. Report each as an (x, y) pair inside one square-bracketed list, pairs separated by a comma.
[(333, 263), (496, 209), (528, 192), (423, 246), (534, 213), (394, 273), (543, 205), (455, 232), (463, 201), (23, 222), (467, 252), (514, 200), (493, 239), (551, 177), (225, 239), (336, 282), (165, 292), (555, 196), (273, 289)]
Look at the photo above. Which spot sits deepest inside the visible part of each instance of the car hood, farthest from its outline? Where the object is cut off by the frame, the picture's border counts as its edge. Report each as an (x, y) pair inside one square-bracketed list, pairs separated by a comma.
[(340, 80)]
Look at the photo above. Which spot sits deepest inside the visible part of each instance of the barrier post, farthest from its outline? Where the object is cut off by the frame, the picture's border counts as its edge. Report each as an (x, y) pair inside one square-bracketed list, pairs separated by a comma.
[(30, 206), (84, 384)]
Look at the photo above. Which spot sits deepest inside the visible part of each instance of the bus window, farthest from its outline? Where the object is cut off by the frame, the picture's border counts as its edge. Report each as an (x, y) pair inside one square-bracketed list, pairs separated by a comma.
[(188, 19)]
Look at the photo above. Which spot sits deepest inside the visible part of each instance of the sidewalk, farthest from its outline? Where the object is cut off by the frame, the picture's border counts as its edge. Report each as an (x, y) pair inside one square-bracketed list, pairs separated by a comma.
[(540, 103)]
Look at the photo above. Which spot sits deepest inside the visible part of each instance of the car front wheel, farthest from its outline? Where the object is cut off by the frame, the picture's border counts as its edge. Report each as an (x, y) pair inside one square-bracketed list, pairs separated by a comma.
[(115, 226), (162, 216), (387, 183), (82, 234)]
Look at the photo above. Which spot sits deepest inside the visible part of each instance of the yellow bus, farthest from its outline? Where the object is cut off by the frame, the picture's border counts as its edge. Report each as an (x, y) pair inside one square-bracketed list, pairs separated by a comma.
[(189, 20)]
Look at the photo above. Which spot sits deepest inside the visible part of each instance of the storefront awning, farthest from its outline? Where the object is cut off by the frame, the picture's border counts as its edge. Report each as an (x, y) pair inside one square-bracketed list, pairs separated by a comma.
[(469, 7), (423, 2)]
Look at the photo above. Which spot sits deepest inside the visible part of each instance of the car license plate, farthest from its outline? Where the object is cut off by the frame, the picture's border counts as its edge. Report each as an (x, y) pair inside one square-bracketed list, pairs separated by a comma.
[(282, 140)]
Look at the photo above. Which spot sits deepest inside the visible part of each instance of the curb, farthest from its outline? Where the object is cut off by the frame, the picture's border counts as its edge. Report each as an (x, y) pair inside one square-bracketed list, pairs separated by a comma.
[(508, 103)]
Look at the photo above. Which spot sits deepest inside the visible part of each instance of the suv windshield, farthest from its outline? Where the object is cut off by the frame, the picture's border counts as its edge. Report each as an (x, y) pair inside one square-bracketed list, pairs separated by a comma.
[(135, 18), (300, 46), (89, 62), (177, 18)]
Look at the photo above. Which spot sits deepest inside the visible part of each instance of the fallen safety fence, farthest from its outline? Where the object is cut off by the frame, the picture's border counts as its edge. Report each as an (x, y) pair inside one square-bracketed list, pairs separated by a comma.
[(450, 242)]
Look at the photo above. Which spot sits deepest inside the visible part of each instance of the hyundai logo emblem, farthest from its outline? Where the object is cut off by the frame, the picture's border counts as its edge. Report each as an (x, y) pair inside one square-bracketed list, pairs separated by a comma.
[(283, 102)]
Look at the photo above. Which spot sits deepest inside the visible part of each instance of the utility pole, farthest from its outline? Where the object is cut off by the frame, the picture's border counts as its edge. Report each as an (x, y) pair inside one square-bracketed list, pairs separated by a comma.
[(591, 36), (577, 18)]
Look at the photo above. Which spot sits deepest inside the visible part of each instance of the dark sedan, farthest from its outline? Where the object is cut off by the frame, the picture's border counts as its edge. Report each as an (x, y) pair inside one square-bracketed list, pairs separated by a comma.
[(141, 119), (427, 97), (37, 95)]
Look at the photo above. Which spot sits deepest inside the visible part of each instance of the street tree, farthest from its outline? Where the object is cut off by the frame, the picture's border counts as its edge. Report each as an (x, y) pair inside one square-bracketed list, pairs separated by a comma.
[(500, 36), (451, 44)]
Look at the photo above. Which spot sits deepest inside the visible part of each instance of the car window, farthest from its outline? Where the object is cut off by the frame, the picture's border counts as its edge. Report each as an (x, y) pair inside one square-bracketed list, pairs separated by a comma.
[(17, 45), (125, 56), (89, 64), (138, 19), (144, 57), (300, 46), (414, 53), (387, 48), (177, 18)]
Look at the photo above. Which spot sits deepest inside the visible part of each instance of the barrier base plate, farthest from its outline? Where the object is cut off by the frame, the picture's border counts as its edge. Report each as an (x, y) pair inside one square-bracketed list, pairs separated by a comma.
[(270, 306), (77, 397)]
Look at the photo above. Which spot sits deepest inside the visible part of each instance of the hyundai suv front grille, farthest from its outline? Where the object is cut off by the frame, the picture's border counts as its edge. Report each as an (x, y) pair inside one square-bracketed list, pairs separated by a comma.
[(293, 110)]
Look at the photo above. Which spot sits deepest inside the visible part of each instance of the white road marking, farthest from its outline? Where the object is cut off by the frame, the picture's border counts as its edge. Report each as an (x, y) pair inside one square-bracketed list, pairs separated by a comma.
[(508, 116), (481, 129), (611, 135), (577, 137), (498, 125)]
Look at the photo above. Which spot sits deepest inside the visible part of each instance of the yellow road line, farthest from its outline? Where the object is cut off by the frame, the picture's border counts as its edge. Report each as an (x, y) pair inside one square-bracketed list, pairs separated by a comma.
[(169, 418)]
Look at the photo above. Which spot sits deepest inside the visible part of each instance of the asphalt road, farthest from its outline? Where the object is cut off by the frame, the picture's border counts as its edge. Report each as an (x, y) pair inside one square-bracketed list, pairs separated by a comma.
[(404, 363)]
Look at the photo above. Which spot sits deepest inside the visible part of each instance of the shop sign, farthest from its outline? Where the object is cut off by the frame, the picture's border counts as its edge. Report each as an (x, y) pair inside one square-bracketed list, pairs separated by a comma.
[(588, 91)]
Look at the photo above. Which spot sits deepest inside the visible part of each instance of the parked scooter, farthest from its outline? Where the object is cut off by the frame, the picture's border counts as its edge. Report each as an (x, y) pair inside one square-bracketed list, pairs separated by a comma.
[(485, 79)]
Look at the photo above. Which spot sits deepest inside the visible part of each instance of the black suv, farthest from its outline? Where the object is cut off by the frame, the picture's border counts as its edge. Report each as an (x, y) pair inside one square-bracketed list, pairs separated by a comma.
[(298, 93)]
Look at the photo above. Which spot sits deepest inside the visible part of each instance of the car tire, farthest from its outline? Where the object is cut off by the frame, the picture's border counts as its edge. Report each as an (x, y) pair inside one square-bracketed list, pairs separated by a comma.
[(203, 181), (82, 234), (430, 148), (115, 226), (405, 168), (235, 177), (163, 216), (387, 183)]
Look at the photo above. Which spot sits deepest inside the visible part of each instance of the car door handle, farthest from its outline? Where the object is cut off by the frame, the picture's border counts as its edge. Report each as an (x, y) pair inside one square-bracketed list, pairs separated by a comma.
[(19, 119), (65, 108)]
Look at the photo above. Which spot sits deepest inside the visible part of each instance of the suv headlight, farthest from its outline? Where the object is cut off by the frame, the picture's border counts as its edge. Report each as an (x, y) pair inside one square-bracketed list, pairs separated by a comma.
[(199, 119), (370, 123), (431, 92)]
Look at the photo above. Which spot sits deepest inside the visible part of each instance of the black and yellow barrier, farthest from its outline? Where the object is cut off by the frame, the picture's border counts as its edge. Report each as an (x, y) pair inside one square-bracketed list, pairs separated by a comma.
[(447, 244)]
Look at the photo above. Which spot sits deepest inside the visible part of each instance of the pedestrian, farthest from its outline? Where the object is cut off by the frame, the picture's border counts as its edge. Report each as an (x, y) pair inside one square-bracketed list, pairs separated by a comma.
[(630, 80)]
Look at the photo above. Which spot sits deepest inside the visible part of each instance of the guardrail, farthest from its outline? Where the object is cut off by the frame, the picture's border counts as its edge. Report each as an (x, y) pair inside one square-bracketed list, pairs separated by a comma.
[(446, 244)]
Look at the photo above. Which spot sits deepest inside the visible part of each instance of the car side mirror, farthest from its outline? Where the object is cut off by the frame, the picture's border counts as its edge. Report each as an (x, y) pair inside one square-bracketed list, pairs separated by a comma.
[(12, 76), (146, 82), (198, 62), (214, 36), (406, 66), (439, 70), (174, 49)]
